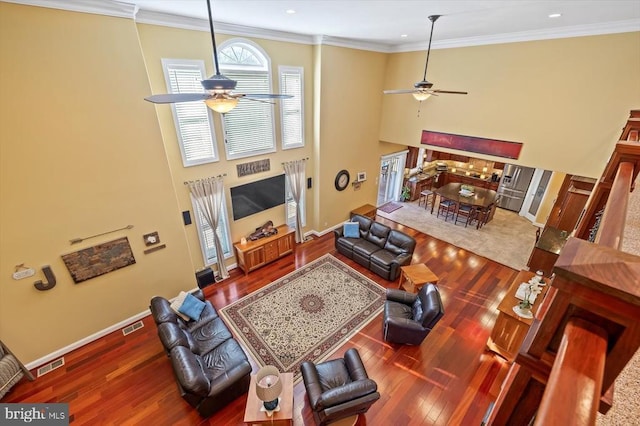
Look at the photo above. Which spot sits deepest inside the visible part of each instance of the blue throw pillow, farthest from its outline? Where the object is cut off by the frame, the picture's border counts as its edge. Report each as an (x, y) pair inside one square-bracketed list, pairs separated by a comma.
[(192, 307), (351, 229)]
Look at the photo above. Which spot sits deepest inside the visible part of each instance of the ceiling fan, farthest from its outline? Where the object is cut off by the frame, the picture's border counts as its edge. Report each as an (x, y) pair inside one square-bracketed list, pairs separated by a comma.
[(423, 89), (219, 92)]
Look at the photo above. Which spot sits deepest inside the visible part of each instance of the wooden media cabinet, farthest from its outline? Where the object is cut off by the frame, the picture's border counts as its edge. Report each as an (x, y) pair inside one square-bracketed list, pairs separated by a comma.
[(255, 254)]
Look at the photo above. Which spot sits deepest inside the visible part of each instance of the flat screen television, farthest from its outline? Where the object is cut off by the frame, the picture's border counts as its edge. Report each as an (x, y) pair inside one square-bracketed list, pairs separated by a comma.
[(257, 196)]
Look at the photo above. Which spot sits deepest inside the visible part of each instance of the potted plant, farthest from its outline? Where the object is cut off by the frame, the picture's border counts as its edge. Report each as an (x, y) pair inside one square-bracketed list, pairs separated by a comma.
[(405, 194)]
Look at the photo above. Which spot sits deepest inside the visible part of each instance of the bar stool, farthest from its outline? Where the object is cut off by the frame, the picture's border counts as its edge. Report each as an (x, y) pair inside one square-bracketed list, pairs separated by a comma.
[(428, 198)]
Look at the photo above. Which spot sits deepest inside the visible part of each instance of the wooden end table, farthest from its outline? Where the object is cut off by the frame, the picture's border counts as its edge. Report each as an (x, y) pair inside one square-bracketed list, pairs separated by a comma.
[(367, 210), (252, 413), (413, 277)]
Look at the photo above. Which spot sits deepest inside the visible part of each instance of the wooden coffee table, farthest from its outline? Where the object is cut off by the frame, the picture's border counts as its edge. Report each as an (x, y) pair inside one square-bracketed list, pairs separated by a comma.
[(252, 413), (413, 277)]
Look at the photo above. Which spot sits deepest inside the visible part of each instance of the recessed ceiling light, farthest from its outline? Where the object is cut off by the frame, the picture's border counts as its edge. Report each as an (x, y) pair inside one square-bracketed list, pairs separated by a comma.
[(290, 11), (555, 15), (404, 35)]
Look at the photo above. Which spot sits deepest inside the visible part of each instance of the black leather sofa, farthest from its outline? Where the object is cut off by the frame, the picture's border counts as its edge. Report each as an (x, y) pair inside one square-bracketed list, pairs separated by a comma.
[(211, 368), (379, 248)]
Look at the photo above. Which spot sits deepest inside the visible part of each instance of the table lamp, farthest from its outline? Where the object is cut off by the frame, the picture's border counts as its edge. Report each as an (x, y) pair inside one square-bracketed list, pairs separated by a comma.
[(268, 387)]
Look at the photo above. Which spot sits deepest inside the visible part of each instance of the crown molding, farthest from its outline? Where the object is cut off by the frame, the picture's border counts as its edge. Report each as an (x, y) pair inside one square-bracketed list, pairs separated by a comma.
[(189, 23), (97, 7), (126, 10), (627, 26)]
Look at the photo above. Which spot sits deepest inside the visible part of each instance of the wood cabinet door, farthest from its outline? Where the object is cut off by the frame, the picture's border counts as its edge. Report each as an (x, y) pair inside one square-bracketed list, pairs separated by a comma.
[(271, 251), (285, 244), (412, 157), (508, 334), (254, 258)]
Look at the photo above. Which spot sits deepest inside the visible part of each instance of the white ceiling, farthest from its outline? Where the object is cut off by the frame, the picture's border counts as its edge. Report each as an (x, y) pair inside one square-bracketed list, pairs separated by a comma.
[(383, 22)]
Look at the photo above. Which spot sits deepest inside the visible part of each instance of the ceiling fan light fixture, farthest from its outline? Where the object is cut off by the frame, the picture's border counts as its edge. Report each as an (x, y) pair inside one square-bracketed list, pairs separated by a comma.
[(421, 96), (221, 105)]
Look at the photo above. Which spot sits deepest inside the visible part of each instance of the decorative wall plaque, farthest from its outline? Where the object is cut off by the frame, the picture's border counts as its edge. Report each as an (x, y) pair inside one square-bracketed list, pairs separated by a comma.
[(495, 147), (258, 166), (98, 260)]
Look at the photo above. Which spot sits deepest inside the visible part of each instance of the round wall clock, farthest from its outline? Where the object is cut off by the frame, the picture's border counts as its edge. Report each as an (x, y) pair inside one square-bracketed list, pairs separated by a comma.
[(342, 180)]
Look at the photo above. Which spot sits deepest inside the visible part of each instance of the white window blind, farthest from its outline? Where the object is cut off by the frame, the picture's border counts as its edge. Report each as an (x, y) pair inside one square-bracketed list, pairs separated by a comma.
[(206, 234), (249, 127), (291, 112), (194, 125)]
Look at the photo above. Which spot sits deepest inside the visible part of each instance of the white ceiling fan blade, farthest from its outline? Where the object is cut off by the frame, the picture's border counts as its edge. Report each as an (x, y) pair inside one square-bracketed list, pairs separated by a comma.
[(453, 92), (399, 91), (172, 98)]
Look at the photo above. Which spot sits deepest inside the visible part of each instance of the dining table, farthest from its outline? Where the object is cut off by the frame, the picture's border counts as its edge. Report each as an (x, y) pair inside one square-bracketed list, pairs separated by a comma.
[(481, 197)]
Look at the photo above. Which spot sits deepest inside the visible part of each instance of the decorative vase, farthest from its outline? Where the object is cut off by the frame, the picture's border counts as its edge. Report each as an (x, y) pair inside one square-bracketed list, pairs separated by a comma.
[(523, 312)]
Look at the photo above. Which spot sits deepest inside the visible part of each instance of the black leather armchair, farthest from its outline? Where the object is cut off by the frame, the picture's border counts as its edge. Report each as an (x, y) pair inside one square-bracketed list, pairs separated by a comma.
[(408, 317), (338, 388)]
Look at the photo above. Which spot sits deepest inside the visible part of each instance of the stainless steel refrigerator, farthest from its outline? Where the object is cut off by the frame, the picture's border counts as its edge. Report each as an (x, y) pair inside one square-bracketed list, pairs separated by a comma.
[(513, 186)]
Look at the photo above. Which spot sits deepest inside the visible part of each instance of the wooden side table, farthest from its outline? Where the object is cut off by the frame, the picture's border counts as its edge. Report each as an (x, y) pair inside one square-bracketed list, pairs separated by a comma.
[(367, 210), (413, 277), (510, 329), (252, 413)]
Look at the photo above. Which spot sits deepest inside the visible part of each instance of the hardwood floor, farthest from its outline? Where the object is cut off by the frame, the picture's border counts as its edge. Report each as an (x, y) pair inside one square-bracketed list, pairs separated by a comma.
[(449, 379)]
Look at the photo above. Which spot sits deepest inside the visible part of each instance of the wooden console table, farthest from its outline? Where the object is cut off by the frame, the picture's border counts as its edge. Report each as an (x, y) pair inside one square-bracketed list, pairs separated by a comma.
[(255, 254), (510, 330), (367, 210)]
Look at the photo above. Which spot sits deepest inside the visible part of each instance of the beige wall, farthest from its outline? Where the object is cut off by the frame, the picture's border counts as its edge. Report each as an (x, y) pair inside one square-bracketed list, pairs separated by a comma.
[(163, 42), (565, 99), (81, 154), (349, 112)]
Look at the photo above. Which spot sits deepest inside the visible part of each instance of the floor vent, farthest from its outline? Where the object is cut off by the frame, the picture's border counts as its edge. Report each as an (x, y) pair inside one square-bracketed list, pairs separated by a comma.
[(51, 366), (133, 327)]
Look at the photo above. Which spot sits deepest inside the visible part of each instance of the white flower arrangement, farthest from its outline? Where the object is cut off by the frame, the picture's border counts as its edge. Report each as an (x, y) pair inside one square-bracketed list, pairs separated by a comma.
[(534, 288)]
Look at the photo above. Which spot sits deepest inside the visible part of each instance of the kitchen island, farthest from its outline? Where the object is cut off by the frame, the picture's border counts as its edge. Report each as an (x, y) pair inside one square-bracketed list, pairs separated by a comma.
[(481, 198)]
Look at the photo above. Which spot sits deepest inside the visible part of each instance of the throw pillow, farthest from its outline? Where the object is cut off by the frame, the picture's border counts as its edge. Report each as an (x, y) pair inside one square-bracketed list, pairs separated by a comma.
[(192, 307), (351, 229), (177, 302)]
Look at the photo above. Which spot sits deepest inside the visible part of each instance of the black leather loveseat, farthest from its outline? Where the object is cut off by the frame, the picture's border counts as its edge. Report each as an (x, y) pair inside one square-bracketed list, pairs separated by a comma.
[(210, 366), (381, 249)]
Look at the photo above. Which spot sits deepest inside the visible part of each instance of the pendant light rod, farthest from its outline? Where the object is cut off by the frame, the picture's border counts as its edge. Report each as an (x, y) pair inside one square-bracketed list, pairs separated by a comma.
[(213, 38), (433, 19)]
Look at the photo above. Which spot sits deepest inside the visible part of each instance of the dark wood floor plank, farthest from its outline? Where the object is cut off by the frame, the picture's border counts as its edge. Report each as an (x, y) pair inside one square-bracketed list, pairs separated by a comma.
[(449, 379)]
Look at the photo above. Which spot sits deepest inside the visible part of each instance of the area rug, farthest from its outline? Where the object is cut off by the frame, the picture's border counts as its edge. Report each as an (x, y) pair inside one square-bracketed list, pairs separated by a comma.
[(507, 239), (390, 207), (305, 315)]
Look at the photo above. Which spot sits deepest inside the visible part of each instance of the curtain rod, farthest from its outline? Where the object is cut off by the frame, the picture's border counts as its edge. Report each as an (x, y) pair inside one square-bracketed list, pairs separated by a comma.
[(196, 180), (303, 159)]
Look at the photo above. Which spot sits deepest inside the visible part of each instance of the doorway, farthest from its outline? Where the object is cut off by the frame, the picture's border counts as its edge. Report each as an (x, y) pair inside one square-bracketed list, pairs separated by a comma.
[(390, 179), (537, 189)]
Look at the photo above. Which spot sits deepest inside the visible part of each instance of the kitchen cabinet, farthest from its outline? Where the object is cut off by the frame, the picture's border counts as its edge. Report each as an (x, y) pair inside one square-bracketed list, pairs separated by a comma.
[(499, 166), (459, 158), (255, 254), (418, 185), (412, 157), (572, 198)]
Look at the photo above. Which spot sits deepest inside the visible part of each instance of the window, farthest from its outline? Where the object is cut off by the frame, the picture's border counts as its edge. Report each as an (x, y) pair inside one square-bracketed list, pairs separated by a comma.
[(193, 120), (291, 113), (206, 235), (290, 206), (249, 127)]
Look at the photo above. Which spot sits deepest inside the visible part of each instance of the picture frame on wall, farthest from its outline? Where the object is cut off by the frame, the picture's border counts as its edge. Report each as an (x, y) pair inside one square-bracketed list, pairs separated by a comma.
[(362, 176)]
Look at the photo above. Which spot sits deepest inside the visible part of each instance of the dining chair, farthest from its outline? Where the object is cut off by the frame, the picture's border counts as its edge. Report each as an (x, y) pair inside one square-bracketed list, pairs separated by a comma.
[(447, 207), (468, 213)]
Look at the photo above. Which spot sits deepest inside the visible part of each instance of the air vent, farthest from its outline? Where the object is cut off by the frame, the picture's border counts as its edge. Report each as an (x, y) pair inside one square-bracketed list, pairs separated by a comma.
[(51, 366), (133, 327)]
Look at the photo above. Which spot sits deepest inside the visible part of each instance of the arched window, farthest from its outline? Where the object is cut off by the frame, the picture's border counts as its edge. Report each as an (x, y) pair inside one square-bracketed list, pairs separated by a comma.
[(249, 127)]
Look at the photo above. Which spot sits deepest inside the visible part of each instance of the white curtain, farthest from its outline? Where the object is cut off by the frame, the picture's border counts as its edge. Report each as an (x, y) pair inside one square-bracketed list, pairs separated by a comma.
[(295, 171), (209, 193)]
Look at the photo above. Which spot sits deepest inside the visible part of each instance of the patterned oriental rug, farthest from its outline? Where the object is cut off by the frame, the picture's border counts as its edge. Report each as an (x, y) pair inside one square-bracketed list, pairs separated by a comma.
[(305, 315)]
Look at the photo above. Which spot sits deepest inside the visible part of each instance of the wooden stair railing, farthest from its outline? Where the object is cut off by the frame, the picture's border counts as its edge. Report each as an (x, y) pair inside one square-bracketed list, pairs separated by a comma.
[(593, 302)]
